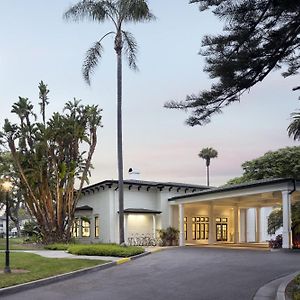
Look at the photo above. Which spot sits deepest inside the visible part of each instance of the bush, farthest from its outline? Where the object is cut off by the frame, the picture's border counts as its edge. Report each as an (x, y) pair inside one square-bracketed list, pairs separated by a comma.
[(31, 232), (105, 250), (169, 236), (277, 243)]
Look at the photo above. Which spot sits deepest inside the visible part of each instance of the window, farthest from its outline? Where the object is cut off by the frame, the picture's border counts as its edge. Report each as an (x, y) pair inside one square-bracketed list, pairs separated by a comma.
[(97, 232), (75, 228), (221, 229), (185, 227), (85, 227), (200, 228)]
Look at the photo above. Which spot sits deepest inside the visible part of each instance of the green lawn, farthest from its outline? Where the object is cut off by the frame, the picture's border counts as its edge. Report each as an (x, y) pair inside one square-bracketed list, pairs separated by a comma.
[(17, 244), (40, 267)]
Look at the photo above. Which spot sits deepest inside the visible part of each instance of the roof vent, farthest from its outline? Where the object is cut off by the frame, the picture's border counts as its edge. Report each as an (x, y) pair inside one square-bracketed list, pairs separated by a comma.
[(134, 174)]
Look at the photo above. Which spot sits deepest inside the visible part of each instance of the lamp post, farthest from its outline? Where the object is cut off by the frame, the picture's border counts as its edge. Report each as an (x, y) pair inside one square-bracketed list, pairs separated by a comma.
[(7, 187)]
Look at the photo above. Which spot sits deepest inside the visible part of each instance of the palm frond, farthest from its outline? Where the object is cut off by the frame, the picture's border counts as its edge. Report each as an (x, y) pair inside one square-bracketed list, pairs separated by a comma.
[(87, 9), (135, 11), (294, 128), (130, 49), (91, 61)]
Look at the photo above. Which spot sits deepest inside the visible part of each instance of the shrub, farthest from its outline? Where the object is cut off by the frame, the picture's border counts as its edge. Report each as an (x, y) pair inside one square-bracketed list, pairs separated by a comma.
[(169, 236), (31, 232), (277, 243), (105, 250)]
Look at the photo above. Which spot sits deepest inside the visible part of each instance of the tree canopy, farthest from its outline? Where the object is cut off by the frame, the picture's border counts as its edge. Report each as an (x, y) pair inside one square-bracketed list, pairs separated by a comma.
[(51, 158), (207, 154), (283, 163), (258, 36)]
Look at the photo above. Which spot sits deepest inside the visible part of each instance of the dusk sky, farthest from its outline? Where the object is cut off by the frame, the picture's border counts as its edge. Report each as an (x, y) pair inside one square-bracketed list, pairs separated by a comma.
[(37, 44)]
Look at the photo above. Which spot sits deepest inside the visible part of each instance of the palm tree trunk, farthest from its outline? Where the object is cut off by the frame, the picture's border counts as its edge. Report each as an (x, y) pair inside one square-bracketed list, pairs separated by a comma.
[(207, 175), (119, 146)]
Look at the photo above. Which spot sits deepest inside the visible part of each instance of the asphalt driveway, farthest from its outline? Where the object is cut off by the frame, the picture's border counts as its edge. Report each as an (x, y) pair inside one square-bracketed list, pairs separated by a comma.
[(176, 274)]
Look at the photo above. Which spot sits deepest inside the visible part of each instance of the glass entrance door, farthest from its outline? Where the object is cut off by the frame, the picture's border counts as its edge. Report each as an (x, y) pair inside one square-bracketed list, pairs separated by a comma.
[(221, 232)]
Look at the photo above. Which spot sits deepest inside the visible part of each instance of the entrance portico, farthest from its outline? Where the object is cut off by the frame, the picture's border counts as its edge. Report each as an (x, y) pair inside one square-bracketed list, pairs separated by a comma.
[(221, 214)]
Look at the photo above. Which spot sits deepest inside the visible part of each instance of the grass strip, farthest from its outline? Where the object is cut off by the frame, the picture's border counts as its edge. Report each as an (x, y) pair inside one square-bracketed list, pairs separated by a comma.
[(40, 267), (17, 244)]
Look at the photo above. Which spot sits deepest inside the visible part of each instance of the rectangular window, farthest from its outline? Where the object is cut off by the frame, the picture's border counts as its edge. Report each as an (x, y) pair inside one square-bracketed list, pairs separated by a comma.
[(221, 229), (194, 231), (200, 228), (85, 228), (97, 232), (75, 228)]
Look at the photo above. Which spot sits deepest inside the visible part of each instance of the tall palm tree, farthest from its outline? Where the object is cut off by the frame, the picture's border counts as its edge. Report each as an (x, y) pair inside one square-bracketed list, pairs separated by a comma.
[(294, 128), (117, 12), (207, 154)]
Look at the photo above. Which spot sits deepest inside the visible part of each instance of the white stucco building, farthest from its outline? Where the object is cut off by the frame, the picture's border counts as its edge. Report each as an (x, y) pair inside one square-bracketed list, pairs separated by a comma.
[(232, 214)]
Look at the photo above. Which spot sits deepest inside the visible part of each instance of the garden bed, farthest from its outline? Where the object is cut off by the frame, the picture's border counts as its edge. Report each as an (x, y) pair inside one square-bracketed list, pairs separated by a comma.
[(293, 289)]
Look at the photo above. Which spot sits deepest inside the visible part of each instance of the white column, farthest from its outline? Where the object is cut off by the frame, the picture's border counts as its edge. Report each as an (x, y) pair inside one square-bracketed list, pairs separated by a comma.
[(125, 228), (246, 230), (154, 225), (257, 225), (181, 225), (236, 225), (212, 225), (286, 214)]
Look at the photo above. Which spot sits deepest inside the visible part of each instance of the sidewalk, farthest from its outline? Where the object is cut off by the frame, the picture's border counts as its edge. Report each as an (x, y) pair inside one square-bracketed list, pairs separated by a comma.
[(64, 254)]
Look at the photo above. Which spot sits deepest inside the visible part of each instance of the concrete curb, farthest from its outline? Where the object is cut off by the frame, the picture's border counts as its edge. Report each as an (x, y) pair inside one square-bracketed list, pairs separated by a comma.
[(41, 282), (274, 289), (280, 295)]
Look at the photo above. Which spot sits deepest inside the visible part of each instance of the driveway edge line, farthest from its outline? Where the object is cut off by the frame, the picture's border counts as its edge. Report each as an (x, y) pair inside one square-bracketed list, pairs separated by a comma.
[(280, 295), (41, 282), (56, 278), (276, 286)]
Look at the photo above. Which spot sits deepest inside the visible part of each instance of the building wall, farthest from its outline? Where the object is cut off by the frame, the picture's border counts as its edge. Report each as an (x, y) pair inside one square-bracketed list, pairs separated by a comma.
[(105, 204), (139, 224), (2, 225), (100, 203)]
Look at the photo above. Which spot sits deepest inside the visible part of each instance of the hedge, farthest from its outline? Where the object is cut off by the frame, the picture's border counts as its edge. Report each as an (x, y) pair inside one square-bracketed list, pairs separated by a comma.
[(105, 250)]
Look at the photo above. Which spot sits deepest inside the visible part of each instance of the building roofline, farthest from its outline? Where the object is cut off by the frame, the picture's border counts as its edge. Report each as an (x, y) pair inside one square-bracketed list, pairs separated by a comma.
[(141, 211), (144, 183), (237, 187)]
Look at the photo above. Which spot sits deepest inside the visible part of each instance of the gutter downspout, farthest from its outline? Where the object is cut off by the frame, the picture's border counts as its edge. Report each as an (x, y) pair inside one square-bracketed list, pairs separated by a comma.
[(294, 189)]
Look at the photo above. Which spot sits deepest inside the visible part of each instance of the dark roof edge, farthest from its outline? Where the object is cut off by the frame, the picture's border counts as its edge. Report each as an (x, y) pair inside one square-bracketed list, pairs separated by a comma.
[(237, 187), (146, 183)]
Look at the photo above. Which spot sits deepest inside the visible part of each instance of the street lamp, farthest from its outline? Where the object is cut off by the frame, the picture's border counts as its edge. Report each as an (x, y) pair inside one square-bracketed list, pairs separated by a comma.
[(7, 187)]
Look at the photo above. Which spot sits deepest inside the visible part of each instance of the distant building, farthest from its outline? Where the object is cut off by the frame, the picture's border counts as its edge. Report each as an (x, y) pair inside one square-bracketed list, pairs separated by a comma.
[(2, 225)]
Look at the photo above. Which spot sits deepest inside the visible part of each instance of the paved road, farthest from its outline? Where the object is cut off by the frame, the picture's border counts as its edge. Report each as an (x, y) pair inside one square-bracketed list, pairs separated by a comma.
[(177, 274)]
